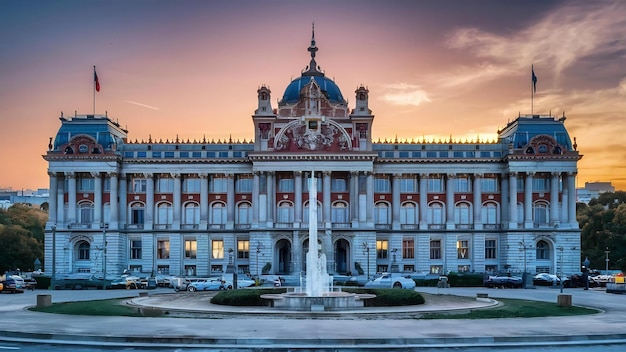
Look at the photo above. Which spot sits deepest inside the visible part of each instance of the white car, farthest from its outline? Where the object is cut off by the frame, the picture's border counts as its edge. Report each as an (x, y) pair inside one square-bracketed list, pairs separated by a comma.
[(389, 280)]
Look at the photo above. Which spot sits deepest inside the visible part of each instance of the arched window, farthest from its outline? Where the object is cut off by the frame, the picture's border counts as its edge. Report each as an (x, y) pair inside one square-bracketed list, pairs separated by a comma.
[(82, 249), (463, 215), (244, 214), (408, 215), (85, 213), (435, 215), (490, 215), (339, 213), (543, 250), (284, 213), (218, 214), (541, 214), (164, 215), (137, 214), (191, 214), (381, 214)]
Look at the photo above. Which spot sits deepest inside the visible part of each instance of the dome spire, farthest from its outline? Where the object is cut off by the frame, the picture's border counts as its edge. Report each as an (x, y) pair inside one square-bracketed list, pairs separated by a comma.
[(313, 68)]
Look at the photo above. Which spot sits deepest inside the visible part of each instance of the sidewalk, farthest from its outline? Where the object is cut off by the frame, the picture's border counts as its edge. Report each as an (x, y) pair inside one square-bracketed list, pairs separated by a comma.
[(246, 330)]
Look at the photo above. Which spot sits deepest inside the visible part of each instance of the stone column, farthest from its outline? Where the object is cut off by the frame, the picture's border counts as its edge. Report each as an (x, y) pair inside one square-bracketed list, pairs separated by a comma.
[(504, 206), (423, 209), (565, 199), (97, 199), (297, 206), (204, 200), (354, 198), (230, 201), (271, 196), (61, 216), (123, 203), (528, 201), (554, 199), (513, 200), (450, 202), (149, 220), (395, 201), (52, 199), (255, 199), (114, 206), (478, 203), (370, 198), (571, 205), (177, 200), (71, 197), (326, 198)]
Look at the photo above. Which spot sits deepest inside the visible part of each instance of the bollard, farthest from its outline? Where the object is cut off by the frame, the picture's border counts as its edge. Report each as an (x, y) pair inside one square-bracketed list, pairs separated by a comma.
[(564, 300), (44, 301)]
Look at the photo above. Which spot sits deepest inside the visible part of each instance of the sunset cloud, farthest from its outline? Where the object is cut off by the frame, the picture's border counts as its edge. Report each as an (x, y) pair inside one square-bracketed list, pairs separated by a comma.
[(405, 94)]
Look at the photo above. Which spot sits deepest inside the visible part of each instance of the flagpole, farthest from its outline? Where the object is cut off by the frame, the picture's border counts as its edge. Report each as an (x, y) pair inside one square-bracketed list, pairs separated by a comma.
[(532, 90), (94, 90)]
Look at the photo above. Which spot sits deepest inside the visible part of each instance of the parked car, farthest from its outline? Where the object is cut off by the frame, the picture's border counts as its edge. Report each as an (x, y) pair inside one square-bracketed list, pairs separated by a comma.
[(127, 282), (578, 280), (389, 280), (545, 279), (504, 281), (213, 284), (13, 284)]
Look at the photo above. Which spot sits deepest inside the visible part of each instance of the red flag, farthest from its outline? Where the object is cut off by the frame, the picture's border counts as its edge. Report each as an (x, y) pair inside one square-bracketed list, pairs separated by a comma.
[(95, 79)]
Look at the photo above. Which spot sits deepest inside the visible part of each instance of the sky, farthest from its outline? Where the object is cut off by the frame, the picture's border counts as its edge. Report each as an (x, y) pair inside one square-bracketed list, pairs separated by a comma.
[(191, 69)]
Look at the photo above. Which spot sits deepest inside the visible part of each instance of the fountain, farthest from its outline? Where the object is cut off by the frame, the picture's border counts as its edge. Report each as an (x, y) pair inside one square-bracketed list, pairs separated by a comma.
[(317, 295)]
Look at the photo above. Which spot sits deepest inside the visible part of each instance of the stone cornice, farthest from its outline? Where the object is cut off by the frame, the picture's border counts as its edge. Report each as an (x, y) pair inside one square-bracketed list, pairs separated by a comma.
[(311, 157)]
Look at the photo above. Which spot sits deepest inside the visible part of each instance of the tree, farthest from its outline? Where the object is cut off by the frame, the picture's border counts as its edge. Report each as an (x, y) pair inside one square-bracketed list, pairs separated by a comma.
[(18, 250)]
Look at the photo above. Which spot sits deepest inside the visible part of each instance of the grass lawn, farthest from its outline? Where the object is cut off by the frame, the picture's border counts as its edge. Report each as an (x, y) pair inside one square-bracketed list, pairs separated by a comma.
[(516, 308), (510, 308)]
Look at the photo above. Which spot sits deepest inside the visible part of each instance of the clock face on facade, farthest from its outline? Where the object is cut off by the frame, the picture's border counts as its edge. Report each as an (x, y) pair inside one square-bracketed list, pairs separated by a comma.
[(362, 96)]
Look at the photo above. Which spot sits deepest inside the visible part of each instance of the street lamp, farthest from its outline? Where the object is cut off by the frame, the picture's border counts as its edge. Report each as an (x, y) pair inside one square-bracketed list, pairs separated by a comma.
[(560, 276), (366, 250), (104, 227), (586, 272), (607, 251), (525, 246), (54, 256), (394, 266), (258, 251)]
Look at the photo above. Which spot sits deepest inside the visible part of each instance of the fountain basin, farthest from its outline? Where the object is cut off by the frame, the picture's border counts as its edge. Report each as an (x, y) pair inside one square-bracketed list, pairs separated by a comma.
[(330, 301)]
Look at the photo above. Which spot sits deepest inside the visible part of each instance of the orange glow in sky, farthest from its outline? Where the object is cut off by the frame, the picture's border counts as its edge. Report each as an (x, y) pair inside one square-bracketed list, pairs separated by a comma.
[(190, 69)]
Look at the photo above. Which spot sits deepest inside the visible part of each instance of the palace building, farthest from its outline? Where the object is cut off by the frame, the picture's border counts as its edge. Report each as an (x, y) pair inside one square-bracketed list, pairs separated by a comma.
[(195, 207)]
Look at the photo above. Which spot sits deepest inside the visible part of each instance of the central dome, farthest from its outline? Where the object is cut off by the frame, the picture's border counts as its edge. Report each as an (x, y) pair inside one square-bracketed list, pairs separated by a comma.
[(328, 87)]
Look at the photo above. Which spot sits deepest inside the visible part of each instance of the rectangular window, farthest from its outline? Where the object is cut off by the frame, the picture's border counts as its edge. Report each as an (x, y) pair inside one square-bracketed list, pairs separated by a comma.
[(491, 268), (382, 184), (86, 184), (129, 154), (244, 184), (216, 268), (169, 154), (219, 184), (163, 249), (462, 185), (435, 249), (156, 155), (184, 154), (381, 268), (490, 249), (462, 249), (541, 184), (137, 216), (485, 154), (338, 185), (191, 248), (489, 185), (190, 270), (463, 268), (223, 154), (431, 154), (139, 185), (436, 269), (196, 154), (382, 249), (243, 249), (163, 269), (408, 184), (165, 185), (409, 268), (408, 248), (217, 249), (436, 185), (135, 249), (142, 154), (285, 185), (191, 185)]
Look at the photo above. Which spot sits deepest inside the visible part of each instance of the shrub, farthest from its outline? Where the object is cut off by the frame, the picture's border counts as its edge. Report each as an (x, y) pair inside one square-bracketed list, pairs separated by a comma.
[(244, 297), (426, 282), (387, 297), (358, 268)]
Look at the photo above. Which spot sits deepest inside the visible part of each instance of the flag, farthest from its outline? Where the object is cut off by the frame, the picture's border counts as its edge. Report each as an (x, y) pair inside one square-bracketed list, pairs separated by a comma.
[(534, 78), (95, 79)]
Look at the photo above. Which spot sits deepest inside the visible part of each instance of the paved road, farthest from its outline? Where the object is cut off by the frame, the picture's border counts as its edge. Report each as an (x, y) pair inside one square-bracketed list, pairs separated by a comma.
[(247, 331)]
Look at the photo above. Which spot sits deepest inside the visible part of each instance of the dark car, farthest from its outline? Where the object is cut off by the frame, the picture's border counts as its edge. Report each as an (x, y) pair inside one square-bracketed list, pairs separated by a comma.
[(504, 281), (578, 280)]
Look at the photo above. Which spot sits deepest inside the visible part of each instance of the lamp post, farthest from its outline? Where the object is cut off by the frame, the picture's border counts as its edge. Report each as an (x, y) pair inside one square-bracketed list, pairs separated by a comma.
[(366, 250), (524, 247), (104, 227), (607, 251), (394, 265), (561, 272), (586, 272), (54, 256), (258, 251)]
